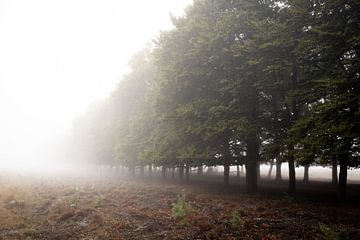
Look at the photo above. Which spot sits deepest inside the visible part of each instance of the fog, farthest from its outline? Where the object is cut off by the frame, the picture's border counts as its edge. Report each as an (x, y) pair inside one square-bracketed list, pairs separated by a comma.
[(57, 57), (179, 119)]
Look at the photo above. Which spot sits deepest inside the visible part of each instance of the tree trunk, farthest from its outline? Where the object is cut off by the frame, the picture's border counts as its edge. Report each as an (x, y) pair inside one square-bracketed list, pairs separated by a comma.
[(271, 168), (150, 170), (142, 171), (242, 169), (343, 177), (163, 172), (258, 170), (251, 166), (293, 116), (251, 178), (200, 170), (187, 172), (226, 173), (173, 172), (292, 179), (278, 169), (237, 171), (306, 173), (132, 171), (334, 173), (181, 172)]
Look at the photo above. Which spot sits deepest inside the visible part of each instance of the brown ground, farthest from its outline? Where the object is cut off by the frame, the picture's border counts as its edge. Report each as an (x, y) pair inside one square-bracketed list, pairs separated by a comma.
[(112, 208)]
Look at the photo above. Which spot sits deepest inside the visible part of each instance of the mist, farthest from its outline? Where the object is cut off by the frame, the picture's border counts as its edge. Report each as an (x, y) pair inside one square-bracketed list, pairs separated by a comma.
[(179, 119), (59, 57)]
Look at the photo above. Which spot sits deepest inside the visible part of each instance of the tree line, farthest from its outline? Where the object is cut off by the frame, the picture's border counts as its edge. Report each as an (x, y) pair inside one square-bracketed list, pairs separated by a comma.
[(237, 82)]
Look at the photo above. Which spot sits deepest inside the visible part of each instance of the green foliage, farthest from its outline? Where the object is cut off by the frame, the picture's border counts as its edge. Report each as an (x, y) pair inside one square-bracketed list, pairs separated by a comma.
[(182, 208), (330, 234), (236, 218), (99, 202), (237, 82)]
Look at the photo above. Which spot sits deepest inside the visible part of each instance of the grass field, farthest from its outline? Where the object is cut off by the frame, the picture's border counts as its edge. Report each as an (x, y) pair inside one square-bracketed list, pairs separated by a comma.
[(120, 208)]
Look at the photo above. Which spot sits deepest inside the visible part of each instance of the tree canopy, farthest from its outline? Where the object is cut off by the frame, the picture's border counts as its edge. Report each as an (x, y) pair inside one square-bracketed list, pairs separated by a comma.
[(238, 82)]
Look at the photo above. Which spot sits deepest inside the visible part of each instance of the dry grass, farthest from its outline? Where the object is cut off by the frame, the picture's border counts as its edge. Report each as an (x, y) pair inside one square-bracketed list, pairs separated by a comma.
[(109, 209)]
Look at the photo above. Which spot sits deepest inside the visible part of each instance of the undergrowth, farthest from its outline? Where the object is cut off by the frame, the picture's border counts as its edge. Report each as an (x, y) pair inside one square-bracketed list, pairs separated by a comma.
[(182, 208)]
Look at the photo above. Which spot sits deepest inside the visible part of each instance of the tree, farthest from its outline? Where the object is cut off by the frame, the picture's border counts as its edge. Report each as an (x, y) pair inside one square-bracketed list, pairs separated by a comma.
[(329, 132), (209, 76), (135, 111)]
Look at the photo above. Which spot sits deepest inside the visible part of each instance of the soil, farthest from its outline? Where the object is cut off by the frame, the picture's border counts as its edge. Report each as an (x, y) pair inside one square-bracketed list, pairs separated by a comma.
[(122, 208)]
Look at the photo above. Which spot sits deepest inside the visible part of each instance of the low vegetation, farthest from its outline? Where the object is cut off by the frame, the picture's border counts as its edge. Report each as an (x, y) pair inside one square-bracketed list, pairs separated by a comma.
[(113, 208), (182, 208)]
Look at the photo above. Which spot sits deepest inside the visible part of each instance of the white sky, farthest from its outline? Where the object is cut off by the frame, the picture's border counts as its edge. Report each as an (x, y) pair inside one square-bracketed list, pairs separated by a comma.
[(58, 56)]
